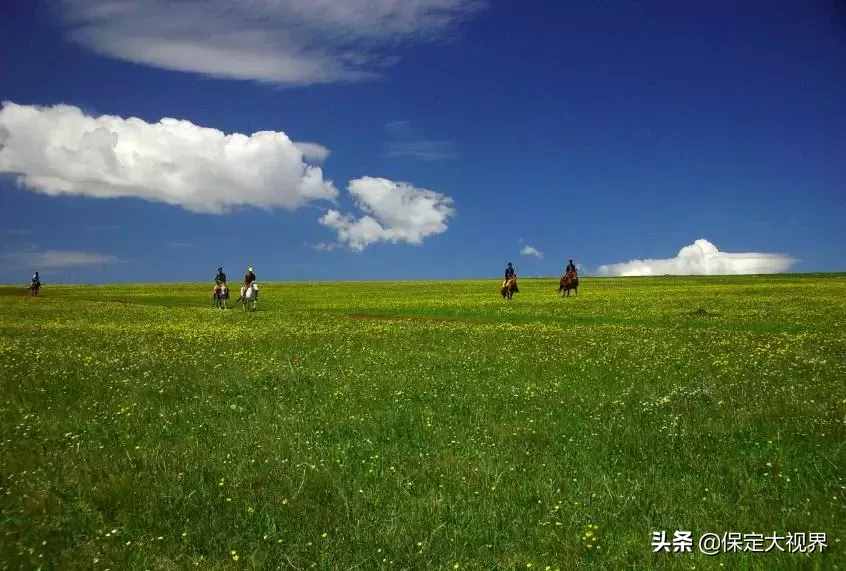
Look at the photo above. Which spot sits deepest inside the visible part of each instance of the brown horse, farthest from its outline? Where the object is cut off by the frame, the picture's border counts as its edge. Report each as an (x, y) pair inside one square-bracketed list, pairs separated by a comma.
[(220, 294), (509, 288), (569, 281)]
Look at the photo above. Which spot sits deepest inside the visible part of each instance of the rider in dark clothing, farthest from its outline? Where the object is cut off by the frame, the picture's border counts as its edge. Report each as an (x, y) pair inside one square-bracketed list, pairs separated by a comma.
[(249, 277), (35, 284), (510, 273), (220, 278), (571, 268)]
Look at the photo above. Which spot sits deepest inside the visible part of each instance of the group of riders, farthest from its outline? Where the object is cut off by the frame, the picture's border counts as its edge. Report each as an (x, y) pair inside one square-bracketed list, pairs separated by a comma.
[(220, 292), (249, 289), (569, 281)]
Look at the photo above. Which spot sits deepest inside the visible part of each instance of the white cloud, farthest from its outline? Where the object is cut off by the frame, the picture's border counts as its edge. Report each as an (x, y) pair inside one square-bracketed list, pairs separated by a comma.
[(702, 258), (56, 259), (394, 212), (293, 42), (60, 150), (531, 251)]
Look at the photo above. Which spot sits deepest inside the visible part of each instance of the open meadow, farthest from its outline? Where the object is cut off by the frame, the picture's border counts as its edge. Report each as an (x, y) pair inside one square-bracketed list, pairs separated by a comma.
[(422, 425)]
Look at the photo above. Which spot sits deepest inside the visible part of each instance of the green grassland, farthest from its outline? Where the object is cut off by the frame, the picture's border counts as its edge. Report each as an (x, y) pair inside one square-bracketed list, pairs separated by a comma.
[(421, 424)]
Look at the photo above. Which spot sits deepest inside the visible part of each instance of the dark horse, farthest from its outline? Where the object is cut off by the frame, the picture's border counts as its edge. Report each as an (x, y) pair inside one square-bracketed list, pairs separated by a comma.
[(569, 281), (509, 288)]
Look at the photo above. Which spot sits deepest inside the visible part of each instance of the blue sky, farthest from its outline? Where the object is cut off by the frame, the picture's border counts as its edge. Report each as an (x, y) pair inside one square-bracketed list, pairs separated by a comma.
[(603, 132)]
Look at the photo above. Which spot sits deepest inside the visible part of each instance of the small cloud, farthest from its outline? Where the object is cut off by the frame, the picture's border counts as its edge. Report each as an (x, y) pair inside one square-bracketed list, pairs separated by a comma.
[(325, 246), (702, 258), (313, 152), (394, 212), (531, 251), (406, 141), (424, 150), (57, 259)]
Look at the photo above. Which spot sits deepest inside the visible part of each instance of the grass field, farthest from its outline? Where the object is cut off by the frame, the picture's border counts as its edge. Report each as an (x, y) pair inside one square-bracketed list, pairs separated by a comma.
[(422, 425)]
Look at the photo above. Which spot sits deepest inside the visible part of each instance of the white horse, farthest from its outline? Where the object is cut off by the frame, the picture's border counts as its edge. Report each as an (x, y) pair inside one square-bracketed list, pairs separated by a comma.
[(249, 296)]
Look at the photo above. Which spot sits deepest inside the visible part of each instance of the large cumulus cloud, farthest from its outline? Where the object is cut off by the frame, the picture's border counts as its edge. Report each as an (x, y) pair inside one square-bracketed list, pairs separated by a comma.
[(61, 150), (393, 212), (702, 258)]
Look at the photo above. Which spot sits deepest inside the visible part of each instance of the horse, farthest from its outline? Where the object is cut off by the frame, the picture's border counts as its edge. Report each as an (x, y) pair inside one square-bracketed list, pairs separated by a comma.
[(34, 288), (509, 288), (220, 294), (249, 296), (569, 281)]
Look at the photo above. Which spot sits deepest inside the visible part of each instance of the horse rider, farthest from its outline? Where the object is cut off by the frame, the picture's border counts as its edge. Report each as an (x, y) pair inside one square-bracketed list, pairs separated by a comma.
[(220, 278), (509, 275), (35, 284), (249, 277), (570, 270)]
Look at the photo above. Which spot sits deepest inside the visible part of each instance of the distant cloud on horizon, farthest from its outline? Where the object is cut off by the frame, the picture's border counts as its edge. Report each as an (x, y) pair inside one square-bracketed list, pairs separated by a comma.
[(43, 260), (702, 258), (19, 232), (286, 42), (61, 150), (393, 212)]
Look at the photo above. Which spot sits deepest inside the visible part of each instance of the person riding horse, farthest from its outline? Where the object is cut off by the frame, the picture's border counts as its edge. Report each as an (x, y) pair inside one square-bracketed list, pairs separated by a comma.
[(220, 292), (570, 280), (510, 274), (35, 284), (249, 277), (249, 291), (509, 284)]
